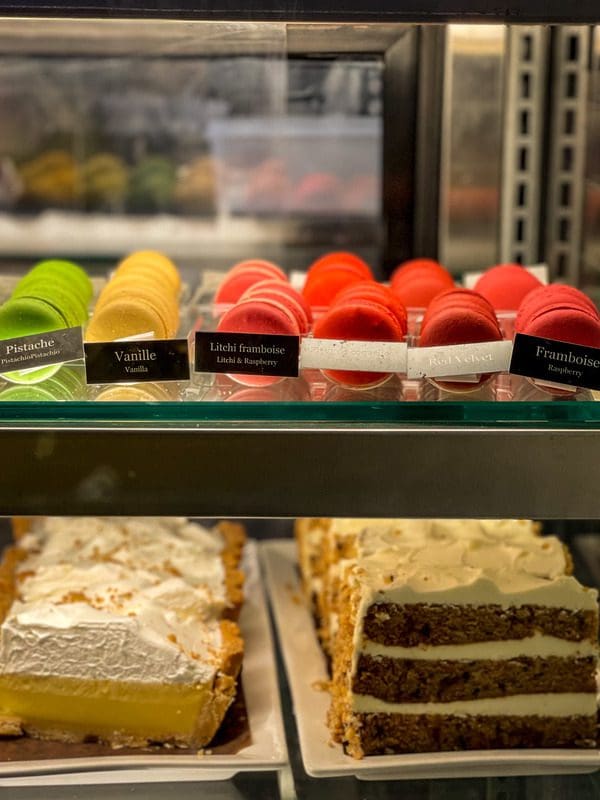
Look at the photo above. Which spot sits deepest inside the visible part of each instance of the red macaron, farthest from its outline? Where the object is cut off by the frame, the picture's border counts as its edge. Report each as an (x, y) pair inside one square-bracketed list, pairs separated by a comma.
[(322, 287), (548, 296), (506, 286), (562, 313), (459, 316), (341, 258), (459, 298), (359, 320), (376, 292), (418, 281)]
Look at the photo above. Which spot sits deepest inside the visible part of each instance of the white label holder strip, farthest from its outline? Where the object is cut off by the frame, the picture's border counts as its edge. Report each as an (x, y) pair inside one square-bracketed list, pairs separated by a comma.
[(458, 359), (351, 355)]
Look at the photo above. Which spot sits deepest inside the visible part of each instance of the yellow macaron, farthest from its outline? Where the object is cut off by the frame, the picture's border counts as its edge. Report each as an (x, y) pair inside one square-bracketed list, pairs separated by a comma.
[(123, 317), (164, 304), (157, 261)]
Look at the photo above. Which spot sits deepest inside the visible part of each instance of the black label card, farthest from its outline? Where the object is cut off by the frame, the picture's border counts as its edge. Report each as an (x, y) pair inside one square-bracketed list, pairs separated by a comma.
[(41, 349), (132, 362), (247, 353), (559, 362)]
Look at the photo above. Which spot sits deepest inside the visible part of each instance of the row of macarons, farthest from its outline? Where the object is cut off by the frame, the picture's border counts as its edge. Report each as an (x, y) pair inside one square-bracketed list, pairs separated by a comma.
[(343, 280), (348, 304), (415, 282), (141, 296)]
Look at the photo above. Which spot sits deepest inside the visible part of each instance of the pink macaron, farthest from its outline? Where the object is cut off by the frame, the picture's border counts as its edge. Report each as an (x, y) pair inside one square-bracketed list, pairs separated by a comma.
[(258, 316), (280, 286), (243, 275)]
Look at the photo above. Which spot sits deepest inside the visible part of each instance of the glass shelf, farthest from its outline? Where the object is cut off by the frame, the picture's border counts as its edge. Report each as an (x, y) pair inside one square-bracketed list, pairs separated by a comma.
[(359, 415)]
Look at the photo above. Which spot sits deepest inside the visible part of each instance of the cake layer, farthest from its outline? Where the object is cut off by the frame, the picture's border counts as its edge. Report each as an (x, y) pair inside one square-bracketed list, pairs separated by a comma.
[(437, 624), (406, 681), (373, 734)]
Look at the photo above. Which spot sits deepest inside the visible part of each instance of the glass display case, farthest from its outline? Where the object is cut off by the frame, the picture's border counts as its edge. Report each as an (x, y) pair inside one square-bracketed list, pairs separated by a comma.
[(217, 133)]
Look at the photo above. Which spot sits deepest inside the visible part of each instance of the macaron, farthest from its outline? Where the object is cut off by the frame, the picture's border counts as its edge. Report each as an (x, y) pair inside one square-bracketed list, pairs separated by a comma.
[(242, 276), (141, 297), (123, 317), (341, 258), (418, 281), (562, 313), (146, 392), (417, 265), (547, 296), (359, 320), (258, 316), (459, 316), (23, 316), (67, 302), (281, 286), (506, 286), (459, 298), (286, 299), (24, 394), (376, 292), (66, 270), (165, 305), (566, 325), (156, 261), (322, 287)]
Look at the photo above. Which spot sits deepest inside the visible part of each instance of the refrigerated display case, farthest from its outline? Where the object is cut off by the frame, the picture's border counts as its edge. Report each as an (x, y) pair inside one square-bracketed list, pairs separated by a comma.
[(284, 130)]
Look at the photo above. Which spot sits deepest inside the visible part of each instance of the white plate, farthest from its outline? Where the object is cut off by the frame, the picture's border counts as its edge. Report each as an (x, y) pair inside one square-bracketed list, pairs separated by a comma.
[(267, 750), (305, 667)]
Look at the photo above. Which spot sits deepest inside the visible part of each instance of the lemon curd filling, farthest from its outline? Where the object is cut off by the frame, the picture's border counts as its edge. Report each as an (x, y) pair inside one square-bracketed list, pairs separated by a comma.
[(115, 632), (108, 710)]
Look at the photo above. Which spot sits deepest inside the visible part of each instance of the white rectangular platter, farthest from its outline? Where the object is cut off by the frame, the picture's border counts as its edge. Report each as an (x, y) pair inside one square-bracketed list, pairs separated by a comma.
[(306, 671), (266, 750)]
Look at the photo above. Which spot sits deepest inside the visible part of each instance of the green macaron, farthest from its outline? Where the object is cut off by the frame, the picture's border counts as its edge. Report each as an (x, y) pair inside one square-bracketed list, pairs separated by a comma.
[(18, 394), (67, 269), (23, 316), (62, 297)]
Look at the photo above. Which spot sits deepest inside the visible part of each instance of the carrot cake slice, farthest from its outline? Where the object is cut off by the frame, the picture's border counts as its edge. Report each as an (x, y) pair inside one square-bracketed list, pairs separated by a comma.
[(463, 636), (120, 630)]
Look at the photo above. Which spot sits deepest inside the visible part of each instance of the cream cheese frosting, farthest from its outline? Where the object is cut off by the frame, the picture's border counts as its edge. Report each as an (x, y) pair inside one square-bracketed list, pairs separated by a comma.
[(536, 646), (566, 704), (475, 562), (117, 599)]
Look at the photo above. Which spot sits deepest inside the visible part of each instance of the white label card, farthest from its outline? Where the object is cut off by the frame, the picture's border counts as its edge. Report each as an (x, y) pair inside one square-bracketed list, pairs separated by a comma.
[(458, 359), (350, 355)]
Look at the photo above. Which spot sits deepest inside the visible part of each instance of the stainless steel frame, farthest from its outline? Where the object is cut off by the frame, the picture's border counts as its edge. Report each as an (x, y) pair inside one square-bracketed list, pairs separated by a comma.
[(564, 170), (526, 77), (270, 470)]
